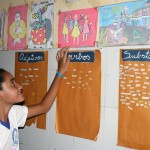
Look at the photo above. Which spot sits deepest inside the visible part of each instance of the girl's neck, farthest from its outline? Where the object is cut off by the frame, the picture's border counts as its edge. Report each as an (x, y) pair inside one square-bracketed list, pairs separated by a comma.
[(4, 118), (4, 114)]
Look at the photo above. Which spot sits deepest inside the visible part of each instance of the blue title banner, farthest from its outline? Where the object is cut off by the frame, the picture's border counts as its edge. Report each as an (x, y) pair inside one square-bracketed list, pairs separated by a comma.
[(81, 56), (136, 55), (30, 57)]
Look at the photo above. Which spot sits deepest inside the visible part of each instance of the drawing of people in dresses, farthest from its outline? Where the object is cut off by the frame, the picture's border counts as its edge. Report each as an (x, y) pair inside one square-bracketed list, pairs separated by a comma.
[(65, 30), (76, 30), (17, 29), (86, 28)]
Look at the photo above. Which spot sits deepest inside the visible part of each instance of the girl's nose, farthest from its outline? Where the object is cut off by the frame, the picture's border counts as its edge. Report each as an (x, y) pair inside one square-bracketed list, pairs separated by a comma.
[(20, 88)]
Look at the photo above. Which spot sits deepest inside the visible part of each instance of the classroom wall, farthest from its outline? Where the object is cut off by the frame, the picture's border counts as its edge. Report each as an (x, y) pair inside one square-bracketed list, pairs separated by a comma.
[(32, 138)]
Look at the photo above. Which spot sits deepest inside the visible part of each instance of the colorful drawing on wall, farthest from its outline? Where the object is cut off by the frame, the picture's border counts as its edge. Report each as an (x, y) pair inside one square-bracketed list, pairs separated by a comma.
[(41, 29), (2, 19), (125, 24), (134, 99), (78, 99), (17, 26), (77, 28), (31, 73)]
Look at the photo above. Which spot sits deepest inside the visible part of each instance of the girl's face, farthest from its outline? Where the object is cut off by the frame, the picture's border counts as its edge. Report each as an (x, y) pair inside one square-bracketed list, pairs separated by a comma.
[(11, 92), (75, 17), (17, 17)]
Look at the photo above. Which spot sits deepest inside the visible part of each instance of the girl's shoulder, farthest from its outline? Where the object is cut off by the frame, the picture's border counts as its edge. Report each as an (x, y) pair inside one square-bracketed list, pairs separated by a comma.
[(17, 109)]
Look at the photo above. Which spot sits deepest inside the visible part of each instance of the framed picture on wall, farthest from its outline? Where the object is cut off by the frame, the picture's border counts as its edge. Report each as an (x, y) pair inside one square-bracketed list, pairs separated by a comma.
[(77, 28), (41, 26), (125, 24), (17, 27)]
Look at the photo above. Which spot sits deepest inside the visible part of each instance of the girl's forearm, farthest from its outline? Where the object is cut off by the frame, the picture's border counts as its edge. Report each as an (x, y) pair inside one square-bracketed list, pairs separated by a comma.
[(49, 98)]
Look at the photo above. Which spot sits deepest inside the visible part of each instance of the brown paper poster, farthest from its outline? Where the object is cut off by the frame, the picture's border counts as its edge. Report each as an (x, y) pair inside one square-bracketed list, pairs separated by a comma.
[(31, 73), (78, 101), (134, 99)]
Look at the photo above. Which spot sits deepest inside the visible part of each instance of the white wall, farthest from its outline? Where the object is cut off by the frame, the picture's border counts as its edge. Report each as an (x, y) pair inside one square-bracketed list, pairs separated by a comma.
[(32, 138)]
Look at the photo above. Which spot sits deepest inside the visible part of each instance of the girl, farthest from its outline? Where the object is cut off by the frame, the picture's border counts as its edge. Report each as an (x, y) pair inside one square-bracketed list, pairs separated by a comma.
[(14, 116), (76, 30), (65, 31)]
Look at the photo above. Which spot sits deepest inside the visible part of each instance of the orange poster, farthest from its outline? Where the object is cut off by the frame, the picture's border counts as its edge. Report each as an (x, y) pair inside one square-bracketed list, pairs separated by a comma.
[(78, 101), (31, 73), (134, 99)]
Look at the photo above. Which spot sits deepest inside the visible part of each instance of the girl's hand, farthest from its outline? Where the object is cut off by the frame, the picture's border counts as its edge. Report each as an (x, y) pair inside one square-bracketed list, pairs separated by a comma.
[(63, 60)]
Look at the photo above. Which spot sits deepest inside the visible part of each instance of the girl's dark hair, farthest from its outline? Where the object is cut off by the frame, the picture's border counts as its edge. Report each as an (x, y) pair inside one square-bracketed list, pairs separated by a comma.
[(2, 71)]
